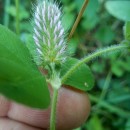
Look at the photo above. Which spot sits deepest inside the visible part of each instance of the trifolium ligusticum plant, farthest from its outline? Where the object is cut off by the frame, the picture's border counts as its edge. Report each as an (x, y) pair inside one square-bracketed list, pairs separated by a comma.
[(20, 78), (50, 40), (49, 37)]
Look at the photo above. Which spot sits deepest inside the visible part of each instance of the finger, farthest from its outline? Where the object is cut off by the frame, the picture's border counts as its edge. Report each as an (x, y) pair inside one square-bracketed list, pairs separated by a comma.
[(73, 109), (34, 117), (6, 124), (4, 106)]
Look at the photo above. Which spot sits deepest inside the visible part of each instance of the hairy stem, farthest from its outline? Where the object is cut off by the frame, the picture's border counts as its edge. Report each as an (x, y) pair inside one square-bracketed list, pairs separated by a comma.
[(53, 109), (17, 17), (78, 19), (92, 56)]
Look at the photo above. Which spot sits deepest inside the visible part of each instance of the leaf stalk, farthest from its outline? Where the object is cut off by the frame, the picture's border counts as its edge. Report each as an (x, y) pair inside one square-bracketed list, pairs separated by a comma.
[(92, 56)]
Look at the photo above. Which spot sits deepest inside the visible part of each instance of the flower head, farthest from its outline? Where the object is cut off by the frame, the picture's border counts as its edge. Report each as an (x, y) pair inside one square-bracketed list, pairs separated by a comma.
[(49, 34)]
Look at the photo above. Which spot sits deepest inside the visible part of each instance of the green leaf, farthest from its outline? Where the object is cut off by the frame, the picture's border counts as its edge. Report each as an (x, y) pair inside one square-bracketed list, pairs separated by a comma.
[(105, 34), (95, 123), (23, 14), (127, 125), (72, 46), (20, 79), (68, 20), (117, 68), (127, 30), (81, 79), (119, 9)]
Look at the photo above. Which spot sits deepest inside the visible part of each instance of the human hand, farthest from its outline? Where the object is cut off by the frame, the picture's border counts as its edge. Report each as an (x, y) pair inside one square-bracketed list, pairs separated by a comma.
[(72, 110)]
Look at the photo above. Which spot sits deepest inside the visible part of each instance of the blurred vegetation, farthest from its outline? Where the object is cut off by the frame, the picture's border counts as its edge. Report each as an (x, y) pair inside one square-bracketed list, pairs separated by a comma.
[(110, 97)]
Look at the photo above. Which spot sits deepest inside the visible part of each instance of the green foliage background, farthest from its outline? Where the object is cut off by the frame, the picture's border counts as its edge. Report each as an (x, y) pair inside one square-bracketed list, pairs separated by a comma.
[(110, 97)]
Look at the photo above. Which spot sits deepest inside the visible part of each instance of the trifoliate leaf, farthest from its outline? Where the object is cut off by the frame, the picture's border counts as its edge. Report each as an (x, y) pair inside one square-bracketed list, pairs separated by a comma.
[(119, 9)]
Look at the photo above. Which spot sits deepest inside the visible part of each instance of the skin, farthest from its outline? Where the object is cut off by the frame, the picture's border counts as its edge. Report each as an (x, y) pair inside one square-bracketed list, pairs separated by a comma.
[(72, 111)]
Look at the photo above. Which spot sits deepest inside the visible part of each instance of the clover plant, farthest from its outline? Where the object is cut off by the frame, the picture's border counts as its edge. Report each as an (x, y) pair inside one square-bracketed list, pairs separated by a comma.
[(20, 78)]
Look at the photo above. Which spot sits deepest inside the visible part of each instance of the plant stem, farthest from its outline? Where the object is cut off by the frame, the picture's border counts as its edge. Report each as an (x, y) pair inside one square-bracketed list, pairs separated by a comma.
[(78, 19), (6, 15), (53, 109), (92, 56), (111, 108), (17, 17), (106, 85), (105, 88)]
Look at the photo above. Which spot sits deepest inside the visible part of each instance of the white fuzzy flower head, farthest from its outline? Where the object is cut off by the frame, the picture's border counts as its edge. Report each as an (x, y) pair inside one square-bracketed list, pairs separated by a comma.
[(49, 34)]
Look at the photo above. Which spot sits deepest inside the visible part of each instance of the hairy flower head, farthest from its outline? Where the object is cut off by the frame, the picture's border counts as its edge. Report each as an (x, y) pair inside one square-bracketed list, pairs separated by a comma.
[(49, 34)]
